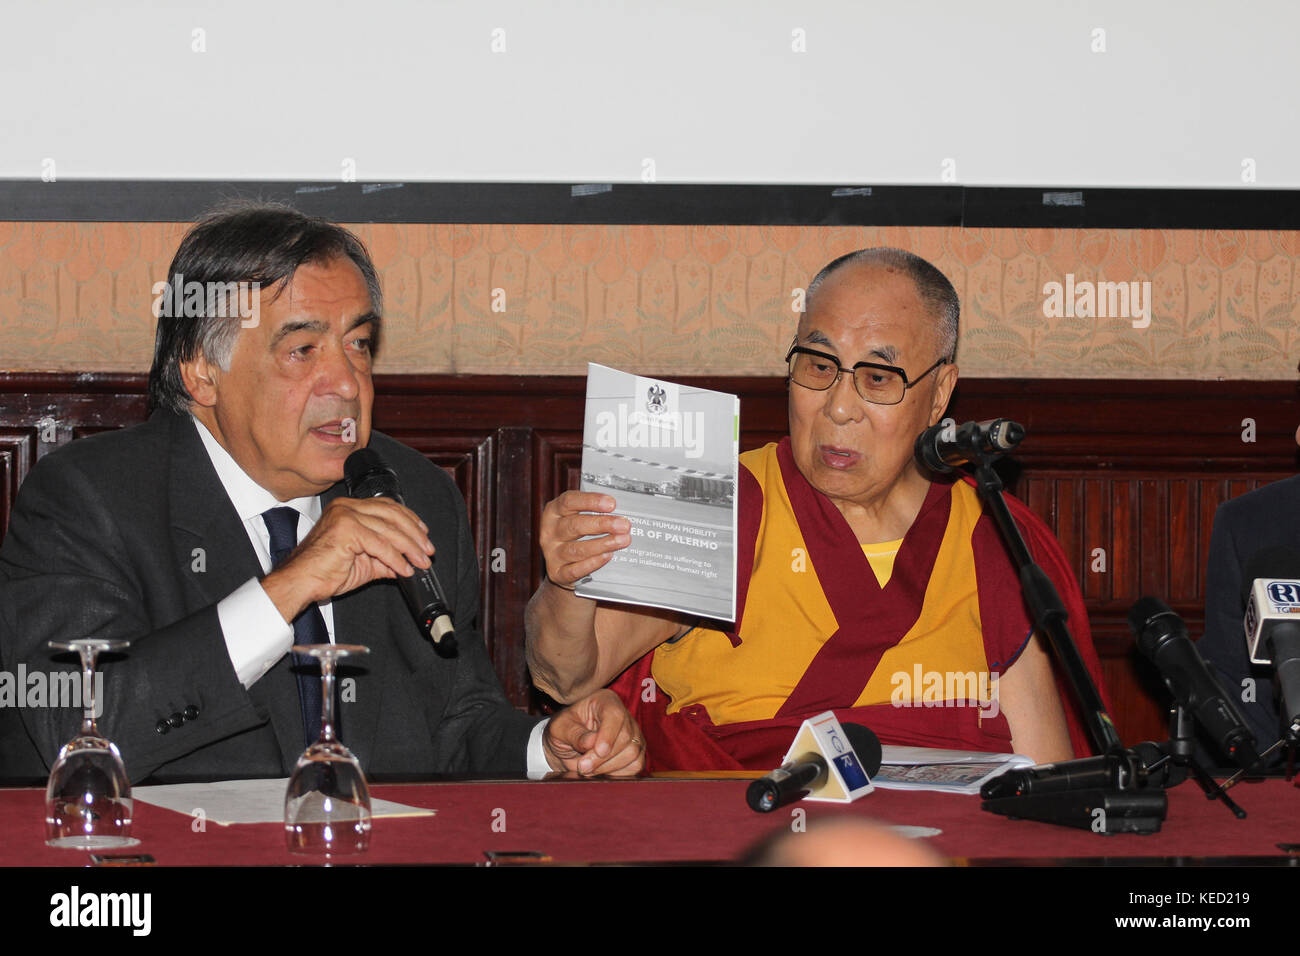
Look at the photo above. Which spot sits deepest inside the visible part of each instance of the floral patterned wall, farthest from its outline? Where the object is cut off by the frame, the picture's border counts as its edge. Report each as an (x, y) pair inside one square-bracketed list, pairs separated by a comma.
[(546, 299)]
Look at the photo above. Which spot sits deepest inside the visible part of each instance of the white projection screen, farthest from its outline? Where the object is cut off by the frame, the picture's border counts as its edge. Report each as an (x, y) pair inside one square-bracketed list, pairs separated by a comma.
[(1010, 92)]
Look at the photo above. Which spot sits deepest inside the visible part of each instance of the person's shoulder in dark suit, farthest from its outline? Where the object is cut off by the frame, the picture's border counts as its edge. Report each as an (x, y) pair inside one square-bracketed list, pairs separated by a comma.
[(1267, 517), (85, 485), (101, 543), (120, 462)]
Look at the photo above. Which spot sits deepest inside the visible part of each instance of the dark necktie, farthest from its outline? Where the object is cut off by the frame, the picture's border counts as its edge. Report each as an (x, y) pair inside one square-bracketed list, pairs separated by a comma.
[(308, 627)]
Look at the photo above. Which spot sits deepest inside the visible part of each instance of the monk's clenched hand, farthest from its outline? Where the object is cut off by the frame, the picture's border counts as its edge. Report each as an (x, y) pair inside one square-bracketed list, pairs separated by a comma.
[(594, 736)]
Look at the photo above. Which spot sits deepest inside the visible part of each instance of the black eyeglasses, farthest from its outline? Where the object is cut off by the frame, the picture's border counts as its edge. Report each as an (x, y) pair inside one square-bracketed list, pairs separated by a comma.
[(877, 384)]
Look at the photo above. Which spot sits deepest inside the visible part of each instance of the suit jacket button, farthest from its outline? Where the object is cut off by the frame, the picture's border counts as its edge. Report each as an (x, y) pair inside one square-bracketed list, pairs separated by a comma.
[(191, 712), (175, 720), (162, 726)]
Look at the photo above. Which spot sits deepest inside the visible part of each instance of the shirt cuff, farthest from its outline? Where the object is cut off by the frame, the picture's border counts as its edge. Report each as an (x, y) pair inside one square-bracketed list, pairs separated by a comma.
[(256, 635), (538, 767)]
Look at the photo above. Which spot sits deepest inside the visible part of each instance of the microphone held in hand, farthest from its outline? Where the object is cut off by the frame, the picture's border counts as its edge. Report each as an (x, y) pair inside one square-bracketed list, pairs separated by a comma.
[(367, 476)]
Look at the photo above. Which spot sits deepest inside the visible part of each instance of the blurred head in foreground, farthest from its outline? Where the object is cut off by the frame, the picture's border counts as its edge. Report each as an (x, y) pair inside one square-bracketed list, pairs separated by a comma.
[(845, 842)]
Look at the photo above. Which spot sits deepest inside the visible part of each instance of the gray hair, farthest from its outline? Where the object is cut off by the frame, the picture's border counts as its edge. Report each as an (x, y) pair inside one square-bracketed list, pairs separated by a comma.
[(931, 285), (249, 242)]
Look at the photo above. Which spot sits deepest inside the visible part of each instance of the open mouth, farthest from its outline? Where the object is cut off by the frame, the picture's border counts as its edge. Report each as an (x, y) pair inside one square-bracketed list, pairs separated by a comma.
[(835, 457), (343, 431)]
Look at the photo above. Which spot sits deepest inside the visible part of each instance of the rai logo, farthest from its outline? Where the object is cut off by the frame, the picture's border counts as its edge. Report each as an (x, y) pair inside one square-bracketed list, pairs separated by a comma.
[(1284, 592)]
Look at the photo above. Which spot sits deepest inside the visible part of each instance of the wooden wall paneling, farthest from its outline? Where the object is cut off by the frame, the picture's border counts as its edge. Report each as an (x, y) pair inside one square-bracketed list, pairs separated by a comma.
[(1212, 492), (1186, 563), (1124, 541), (1067, 522), (17, 455), (507, 561), (1081, 523), (1152, 497), (1094, 505), (1139, 702)]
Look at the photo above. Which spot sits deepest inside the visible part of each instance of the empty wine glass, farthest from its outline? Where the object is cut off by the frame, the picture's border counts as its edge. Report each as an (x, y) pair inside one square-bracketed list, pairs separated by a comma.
[(88, 798), (327, 804)]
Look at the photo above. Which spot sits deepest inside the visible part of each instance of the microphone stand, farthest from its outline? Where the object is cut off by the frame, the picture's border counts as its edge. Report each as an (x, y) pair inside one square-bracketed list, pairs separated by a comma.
[(1110, 795), (1120, 792), (1047, 610), (1180, 753), (1290, 739)]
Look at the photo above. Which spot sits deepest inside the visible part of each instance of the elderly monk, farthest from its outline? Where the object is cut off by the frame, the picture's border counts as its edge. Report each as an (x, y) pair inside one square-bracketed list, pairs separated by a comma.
[(865, 586)]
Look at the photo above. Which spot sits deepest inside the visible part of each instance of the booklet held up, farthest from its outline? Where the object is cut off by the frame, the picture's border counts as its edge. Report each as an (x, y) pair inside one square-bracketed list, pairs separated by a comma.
[(667, 455)]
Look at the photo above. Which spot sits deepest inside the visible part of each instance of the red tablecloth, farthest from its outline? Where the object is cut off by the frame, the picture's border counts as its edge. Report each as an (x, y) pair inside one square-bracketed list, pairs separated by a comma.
[(652, 820)]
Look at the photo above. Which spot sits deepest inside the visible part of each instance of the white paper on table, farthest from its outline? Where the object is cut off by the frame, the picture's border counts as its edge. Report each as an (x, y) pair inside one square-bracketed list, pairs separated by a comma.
[(951, 771), (245, 801)]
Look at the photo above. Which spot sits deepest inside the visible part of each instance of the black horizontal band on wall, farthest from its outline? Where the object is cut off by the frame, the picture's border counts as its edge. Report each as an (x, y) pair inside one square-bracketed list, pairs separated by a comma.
[(664, 204)]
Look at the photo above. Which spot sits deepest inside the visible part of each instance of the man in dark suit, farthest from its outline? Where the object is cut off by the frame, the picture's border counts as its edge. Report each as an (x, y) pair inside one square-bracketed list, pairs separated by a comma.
[(218, 534), (1265, 518)]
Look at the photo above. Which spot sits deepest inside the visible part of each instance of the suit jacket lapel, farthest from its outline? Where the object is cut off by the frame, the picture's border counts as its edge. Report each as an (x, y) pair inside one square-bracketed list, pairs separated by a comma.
[(202, 517), (207, 534)]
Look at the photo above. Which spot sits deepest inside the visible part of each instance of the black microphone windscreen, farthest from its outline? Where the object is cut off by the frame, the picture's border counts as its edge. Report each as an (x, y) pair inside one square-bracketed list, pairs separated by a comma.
[(866, 745), (1142, 613), (367, 476), (361, 461), (927, 454)]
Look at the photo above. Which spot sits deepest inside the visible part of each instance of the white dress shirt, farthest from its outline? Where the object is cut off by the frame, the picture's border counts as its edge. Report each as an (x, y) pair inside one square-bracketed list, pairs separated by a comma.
[(256, 635)]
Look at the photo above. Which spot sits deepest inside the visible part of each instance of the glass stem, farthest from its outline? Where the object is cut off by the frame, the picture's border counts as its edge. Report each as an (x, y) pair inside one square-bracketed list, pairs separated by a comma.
[(327, 698), (88, 692)]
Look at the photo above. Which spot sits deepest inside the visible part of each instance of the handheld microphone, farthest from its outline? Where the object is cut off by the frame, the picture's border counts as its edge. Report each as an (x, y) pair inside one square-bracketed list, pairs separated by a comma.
[(972, 442), (368, 476), (1272, 621), (808, 773), (1162, 639)]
